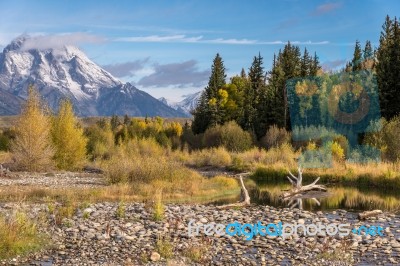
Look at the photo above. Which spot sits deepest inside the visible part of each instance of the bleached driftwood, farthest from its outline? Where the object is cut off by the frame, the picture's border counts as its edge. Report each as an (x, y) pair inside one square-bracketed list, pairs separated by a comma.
[(298, 188), (245, 197), (366, 214)]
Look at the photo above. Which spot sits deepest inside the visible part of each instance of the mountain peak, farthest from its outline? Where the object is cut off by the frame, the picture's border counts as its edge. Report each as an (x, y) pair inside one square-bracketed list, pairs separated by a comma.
[(17, 43), (187, 105), (64, 71)]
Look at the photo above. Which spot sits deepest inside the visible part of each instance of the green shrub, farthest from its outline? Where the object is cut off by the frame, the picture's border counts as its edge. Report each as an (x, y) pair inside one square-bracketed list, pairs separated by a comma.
[(384, 136), (100, 140), (230, 135), (391, 133), (6, 137)]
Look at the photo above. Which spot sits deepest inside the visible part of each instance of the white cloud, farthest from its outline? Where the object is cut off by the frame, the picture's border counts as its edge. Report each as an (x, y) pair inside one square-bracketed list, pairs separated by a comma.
[(231, 41), (44, 42), (199, 39), (157, 38)]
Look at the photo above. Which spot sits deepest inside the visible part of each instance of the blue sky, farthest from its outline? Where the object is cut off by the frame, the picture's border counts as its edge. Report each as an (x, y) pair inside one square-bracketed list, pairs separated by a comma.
[(166, 47)]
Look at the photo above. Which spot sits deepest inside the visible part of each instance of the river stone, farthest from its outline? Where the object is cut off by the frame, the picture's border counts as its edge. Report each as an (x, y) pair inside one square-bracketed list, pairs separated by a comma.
[(155, 256)]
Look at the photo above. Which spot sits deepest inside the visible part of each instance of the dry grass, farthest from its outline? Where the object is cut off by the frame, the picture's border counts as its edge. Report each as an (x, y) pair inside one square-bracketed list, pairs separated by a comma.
[(217, 157), (187, 190), (377, 175), (164, 247)]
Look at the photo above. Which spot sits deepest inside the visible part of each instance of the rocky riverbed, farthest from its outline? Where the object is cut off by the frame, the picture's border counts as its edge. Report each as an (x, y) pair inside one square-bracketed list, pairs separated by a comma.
[(52, 180), (115, 234)]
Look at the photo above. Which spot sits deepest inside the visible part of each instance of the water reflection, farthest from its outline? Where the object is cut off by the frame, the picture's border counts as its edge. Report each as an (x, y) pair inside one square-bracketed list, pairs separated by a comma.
[(336, 198), (297, 200)]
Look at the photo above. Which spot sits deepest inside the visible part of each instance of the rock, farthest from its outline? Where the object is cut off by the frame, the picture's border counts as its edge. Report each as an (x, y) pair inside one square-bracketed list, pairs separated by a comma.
[(155, 256), (203, 220)]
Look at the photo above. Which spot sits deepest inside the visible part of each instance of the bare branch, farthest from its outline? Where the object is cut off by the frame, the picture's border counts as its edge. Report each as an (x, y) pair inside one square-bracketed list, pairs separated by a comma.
[(291, 181), (246, 200)]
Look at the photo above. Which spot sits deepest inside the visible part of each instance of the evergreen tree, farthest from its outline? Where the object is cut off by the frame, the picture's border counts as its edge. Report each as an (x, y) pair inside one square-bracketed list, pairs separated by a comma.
[(357, 57), (115, 122), (315, 65), (290, 61), (32, 147), (305, 66), (276, 80), (68, 139), (287, 65), (127, 120), (368, 53), (243, 74), (388, 68), (253, 94), (208, 112), (201, 115)]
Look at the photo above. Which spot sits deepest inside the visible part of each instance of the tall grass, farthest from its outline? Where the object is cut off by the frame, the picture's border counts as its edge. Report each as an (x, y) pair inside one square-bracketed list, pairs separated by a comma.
[(377, 175), (18, 236), (217, 157)]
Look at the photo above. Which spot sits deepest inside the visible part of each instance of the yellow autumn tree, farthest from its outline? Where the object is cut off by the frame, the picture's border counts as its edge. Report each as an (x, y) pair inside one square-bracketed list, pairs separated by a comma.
[(68, 139), (32, 147)]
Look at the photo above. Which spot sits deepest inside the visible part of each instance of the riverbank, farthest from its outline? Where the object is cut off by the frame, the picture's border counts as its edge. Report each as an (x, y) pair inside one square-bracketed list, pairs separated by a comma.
[(379, 176), (112, 234)]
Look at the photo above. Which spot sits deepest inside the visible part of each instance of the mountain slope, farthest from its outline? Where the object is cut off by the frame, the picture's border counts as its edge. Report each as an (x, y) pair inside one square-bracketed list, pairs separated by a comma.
[(187, 105), (68, 73)]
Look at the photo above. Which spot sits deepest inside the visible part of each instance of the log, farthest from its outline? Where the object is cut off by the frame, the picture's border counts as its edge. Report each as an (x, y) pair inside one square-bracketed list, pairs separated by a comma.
[(245, 197), (298, 188), (366, 214)]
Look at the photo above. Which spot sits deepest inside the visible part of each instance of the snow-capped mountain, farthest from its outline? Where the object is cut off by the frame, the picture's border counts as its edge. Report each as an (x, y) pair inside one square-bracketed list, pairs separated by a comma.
[(68, 73), (187, 105)]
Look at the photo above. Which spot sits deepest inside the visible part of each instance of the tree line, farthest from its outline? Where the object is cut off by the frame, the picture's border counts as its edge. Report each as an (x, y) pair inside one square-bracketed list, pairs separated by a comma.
[(258, 99)]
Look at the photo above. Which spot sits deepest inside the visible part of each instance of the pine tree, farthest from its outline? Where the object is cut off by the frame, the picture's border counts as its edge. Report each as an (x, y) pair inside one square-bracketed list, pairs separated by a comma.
[(115, 122), (68, 139), (260, 100), (290, 61), (388, 68), (315, 65), (243, 74), (368, 53), (357, 57), (201, 115), (127, 120), (32, 147), (208, 113), (287, 65), (253, 94), (276, 80), (305, 66)]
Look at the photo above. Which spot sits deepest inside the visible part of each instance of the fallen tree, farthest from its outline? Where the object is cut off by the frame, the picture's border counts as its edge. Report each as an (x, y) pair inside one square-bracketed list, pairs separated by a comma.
[(244, 195), (298, 189)]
